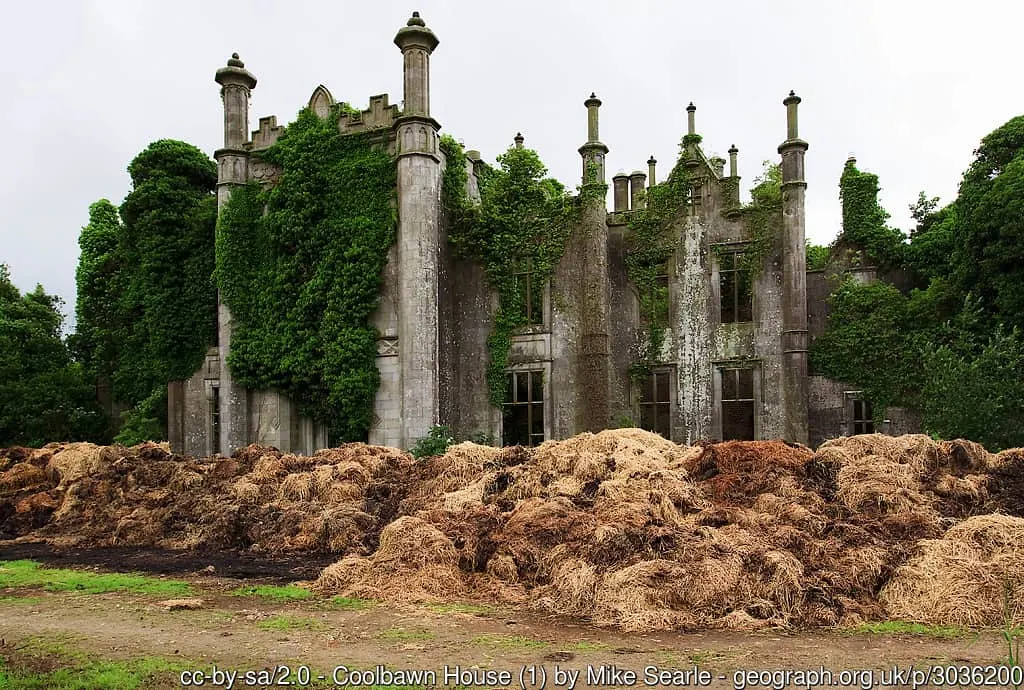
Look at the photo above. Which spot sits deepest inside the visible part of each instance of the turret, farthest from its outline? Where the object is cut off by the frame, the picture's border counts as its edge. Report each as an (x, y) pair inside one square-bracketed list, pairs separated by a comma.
[(794, 276), (419, 168), (591, 245), (236, 85)]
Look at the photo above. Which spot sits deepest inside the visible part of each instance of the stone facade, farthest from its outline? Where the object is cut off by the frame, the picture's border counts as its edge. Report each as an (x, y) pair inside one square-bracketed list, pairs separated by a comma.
[(726, 370)]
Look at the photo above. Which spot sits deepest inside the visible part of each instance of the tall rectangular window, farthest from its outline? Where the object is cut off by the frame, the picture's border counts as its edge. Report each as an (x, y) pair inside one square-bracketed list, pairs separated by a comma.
[(523, 423), (861, 421), (656, 403), (735, 289), (738, 404), (529, 293)]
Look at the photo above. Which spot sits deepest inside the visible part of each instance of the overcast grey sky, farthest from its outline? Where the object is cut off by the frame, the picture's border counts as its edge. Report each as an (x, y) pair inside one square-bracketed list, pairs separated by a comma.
[(910, 87)]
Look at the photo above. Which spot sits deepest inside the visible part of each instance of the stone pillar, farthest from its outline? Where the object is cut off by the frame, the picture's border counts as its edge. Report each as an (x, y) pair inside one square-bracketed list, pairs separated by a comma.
[(794, 277), (419, 220), (732, 160), (637, 182), (594, 364), (519, 140), (651, 163), (232, 170), (620, 192)]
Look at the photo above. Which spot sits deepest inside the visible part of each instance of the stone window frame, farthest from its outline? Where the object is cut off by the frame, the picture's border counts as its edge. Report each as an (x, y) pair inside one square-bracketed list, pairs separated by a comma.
[(716, 392), (545, 302), (731, 249), (544, 368), (673, 402), (850, 417)]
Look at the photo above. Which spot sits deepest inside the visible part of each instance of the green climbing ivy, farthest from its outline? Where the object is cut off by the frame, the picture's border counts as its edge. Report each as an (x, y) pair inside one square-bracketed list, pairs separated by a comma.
[(864, 220), (762, 218), (651, 243), (300, 266), (522, 216)]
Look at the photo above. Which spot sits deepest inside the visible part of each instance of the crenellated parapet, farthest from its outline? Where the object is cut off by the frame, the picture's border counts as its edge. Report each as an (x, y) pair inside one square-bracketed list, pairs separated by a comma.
[(380, 114), (267, 135)]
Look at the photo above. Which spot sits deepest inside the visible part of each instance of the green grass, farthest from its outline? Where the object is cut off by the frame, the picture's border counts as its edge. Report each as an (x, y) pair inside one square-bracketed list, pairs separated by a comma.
[(54, 662), (473, 609), (290, 623), (286, 593), (403, 634), (15, 574), (97, 675), (509, 641), (350, 603), (945, 632)]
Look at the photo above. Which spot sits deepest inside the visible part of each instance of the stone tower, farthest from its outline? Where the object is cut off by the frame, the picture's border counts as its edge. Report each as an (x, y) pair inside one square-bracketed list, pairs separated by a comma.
[(419, 233), (794, 277), (232, 170), (592, 245)]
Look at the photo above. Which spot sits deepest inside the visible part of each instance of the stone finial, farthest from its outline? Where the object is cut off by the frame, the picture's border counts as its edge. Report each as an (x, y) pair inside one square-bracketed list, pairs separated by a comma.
[(691, 108), (691, 120), (235, 73), (732, 160), (415, 34), (651, 163), (519, 140), (851, 159)]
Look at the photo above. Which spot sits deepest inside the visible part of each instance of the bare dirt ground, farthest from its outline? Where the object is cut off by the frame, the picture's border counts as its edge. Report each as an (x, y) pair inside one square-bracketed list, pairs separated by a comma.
[(234, 633)]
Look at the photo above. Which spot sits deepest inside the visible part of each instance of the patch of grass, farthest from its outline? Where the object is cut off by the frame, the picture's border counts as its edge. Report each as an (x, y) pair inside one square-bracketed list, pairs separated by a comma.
[(285, 593), (290, 623), (403, 634), (509, 641), (54, 662), (15, 574), (351, 603), (945, 632), (455, 607), (588, 646), (97, 675)]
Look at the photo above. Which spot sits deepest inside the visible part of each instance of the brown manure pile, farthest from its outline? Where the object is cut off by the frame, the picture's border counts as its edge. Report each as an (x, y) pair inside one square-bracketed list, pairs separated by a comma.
[(619, 528), (79, 494)]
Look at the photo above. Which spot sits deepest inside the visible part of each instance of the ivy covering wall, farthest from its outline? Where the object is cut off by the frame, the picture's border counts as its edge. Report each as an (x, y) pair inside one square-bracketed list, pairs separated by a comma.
[(300, 267), (523, 218)]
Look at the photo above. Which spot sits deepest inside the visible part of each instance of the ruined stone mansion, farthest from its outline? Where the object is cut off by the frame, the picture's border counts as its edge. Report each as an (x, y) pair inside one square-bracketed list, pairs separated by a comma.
[(734, 362)]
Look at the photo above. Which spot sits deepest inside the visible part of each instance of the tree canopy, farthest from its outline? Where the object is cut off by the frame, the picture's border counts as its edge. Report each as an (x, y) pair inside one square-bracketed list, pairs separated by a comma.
[(951, 345), (43, 394)]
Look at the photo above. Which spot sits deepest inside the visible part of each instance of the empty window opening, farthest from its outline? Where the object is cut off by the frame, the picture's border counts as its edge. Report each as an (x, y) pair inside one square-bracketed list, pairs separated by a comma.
[(656, 403), (523, 423), (861, 421), (736, 289), (737, 404)]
